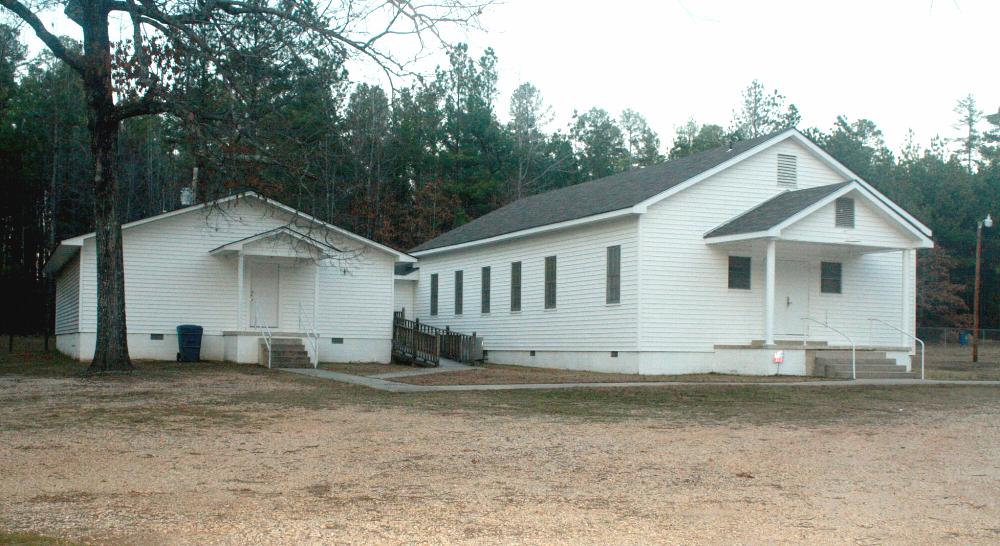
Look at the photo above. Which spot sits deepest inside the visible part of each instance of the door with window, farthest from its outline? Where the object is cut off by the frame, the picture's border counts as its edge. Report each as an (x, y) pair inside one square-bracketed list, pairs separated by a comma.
[(791, 291), (263, 294)]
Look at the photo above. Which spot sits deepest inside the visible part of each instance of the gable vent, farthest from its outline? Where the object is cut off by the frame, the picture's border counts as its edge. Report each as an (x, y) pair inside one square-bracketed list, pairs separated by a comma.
[(844, 212), (788, 171)]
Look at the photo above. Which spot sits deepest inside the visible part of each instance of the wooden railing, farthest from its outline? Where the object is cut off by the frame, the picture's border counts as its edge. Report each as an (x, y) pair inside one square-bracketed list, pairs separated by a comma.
[(412, 344), (413, 341)]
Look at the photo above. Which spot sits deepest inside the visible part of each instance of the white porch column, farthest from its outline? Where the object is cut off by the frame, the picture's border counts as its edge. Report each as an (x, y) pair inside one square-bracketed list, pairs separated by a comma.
[(315, 292), (239, 293), (907, 295), (769, 266)]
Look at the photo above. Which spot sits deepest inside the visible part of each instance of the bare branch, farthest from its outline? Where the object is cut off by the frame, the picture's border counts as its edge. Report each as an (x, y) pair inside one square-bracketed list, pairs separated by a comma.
[(50, 40)]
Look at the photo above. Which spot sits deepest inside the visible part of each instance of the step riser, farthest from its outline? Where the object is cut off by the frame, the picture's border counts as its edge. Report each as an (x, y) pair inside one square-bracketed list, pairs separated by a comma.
[(286, 353)]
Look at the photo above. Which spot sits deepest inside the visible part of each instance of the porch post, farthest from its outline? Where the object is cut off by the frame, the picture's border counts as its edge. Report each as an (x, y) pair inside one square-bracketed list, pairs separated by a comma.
[(239, 293), (905, 315), (315, 292), (769, 265)]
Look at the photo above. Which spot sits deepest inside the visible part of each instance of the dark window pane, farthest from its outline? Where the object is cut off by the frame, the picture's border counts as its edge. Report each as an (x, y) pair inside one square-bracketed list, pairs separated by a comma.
[(434, 294), (739, 272), (613, 293), (485, 297), (458, 292), (831, 277), (515, 286), (550, 282)]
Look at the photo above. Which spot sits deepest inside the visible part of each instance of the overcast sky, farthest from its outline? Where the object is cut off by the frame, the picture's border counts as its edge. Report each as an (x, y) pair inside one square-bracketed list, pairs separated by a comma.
[(900, 63)]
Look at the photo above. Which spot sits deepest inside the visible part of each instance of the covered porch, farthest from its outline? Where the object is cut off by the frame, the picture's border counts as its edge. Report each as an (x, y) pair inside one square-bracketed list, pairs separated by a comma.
[(837, 268), (276, 275)]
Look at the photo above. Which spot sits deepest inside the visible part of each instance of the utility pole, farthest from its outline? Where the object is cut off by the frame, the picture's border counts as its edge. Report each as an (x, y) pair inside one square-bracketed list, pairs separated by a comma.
[(986, 222)]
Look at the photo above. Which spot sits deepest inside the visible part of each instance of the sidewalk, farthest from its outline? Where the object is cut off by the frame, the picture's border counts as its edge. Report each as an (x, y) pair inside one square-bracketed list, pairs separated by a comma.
[(383, 384)]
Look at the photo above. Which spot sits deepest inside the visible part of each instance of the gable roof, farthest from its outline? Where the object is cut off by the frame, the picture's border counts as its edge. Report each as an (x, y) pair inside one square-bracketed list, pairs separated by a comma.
[(237, 245), (611, 193), (70, 247), (769, 218), (774, 211)]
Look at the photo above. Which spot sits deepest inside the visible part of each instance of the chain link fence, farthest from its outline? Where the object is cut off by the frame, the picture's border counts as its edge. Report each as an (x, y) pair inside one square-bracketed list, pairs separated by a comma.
[(956, 336)]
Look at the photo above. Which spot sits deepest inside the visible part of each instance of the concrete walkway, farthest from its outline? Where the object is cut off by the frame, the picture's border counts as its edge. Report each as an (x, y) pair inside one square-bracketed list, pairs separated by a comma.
[(392, 386), (444, 365)]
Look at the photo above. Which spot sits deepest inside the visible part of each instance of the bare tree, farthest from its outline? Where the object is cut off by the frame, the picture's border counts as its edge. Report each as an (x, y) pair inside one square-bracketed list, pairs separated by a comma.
[(140, 75)]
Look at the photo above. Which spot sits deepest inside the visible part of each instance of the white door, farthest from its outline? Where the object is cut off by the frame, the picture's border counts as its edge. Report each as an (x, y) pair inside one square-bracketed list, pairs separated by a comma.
[(791, 292), (263, 294)]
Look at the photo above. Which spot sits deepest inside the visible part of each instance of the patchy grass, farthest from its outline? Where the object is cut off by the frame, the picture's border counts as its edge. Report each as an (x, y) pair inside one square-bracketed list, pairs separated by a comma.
[(499, 374), (204, 395), (31, 539), (954, 362), (365, 368)]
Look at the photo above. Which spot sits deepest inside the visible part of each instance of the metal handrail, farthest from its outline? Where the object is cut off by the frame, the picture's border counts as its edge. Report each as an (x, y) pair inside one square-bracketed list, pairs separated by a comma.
[(312, 335), (923, 348), (264, 329), (854, 347)]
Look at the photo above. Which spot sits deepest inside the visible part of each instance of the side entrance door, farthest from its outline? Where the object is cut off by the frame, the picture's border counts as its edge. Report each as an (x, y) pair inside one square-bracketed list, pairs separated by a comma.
[(791, 292), (264, 294)]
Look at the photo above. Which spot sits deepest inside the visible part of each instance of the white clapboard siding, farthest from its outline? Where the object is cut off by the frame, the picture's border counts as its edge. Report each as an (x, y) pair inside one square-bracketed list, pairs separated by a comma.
[(171, 279), (405, 297), (687, 305), (871, 228), (68, 298), (581, 321)]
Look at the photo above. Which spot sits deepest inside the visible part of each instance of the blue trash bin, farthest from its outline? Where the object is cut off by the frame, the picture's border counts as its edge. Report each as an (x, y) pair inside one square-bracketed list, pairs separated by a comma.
[(189, 343), (964, 338)]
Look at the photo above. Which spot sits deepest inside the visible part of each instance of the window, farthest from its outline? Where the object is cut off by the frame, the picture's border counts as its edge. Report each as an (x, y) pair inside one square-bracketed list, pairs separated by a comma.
[(739, 272), (156, 337), (845, 212), (788, 176), (434, 294), (613, 292), (337, 340), (485, 299), (515, 286), (550, 282), (458, 292), (831, 277)]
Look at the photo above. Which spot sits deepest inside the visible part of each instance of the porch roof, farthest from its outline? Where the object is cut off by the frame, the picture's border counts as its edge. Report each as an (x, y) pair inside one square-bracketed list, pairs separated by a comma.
[(240, 244), (769, 219), (774, 211)]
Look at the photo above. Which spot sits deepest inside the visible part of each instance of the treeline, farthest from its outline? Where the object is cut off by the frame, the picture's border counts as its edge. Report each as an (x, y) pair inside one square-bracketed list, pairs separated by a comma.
[(402, 165)]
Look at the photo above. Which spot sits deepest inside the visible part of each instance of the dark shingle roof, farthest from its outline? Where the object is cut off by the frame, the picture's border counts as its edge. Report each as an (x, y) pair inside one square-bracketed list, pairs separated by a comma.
[(774, 211), (606, 194)]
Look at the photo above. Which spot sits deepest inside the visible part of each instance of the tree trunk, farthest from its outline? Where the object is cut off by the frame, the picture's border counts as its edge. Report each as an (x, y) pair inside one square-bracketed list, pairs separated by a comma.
[(111, 352)]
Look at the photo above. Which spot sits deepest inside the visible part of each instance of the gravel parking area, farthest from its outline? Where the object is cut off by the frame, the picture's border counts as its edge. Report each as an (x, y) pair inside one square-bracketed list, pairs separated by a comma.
[(211, 454)]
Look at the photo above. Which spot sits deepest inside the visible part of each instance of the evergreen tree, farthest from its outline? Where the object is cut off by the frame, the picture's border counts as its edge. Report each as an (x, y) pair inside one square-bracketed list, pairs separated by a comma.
[(762, 112)]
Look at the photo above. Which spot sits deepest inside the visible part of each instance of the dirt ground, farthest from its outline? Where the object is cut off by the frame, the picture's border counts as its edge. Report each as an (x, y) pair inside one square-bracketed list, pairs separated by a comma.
[(216, 454)]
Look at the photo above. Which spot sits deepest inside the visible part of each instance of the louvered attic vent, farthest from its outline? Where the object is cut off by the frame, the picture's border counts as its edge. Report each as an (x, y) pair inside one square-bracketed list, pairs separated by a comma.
[(788, 171), (844, 212)]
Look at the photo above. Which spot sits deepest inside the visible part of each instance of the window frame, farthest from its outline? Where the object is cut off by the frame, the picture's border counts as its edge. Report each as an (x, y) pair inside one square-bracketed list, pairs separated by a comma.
[(459, 291), (484, 290), (737, 261), (550, 284), (434, 294), (613, 274), (825, 277), (515, 287)]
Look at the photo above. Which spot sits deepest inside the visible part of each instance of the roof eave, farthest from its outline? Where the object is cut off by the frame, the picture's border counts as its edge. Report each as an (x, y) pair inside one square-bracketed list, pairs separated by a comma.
[(527, 232)]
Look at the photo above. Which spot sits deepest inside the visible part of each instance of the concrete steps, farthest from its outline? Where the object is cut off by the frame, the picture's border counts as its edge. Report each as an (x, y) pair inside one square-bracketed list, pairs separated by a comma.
[(286, 353), (870, 365)]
